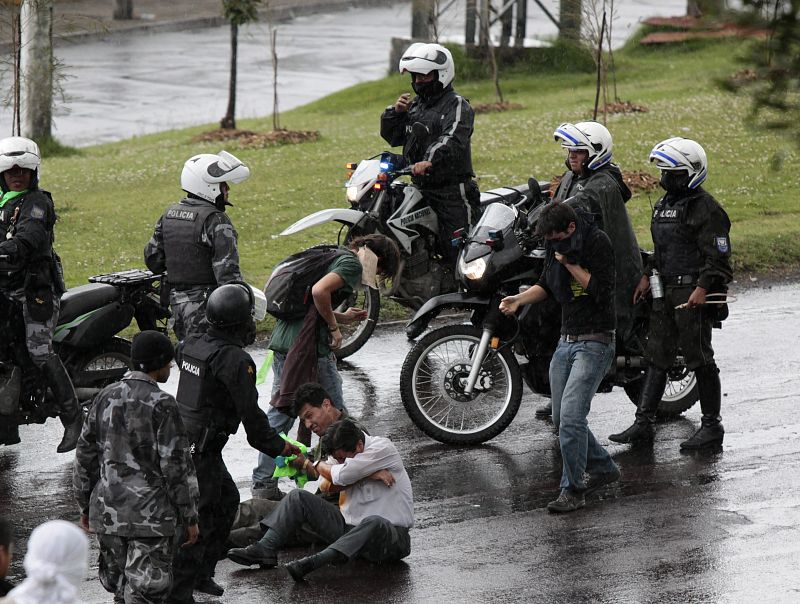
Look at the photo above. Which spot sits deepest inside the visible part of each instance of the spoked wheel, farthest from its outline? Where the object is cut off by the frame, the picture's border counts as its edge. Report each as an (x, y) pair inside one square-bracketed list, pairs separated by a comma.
[(99, 368), (433, 380), (679, 395), (355, 335)]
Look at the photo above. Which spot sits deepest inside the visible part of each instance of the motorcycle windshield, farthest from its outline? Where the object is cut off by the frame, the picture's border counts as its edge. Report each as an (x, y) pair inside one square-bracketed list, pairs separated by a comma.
[(497, 217)]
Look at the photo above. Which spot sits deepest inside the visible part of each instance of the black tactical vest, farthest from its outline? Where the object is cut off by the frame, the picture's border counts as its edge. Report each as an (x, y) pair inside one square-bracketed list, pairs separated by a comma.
[(198, 389), (675, 240), (188, 260)]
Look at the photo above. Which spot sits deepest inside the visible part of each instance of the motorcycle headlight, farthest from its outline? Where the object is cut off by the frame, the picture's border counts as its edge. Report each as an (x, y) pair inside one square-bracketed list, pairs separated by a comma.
[(352, 194), (474, 269)]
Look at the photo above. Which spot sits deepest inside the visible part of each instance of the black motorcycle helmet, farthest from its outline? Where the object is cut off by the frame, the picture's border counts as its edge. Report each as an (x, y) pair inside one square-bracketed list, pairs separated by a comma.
[(230, 305)]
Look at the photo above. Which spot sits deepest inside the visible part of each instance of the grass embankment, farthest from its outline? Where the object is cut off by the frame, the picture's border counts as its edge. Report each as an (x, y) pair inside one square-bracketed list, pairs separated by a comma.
[(110, 196)]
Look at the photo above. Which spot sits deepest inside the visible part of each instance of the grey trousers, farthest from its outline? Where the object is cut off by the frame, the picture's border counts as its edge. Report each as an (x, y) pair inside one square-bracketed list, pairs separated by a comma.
[(375, 538)]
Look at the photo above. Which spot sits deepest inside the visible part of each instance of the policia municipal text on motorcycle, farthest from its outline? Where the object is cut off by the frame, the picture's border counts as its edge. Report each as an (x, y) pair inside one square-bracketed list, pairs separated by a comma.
[(217, 391), (692, 259), (194, 240), (441, 164), (31, 277)]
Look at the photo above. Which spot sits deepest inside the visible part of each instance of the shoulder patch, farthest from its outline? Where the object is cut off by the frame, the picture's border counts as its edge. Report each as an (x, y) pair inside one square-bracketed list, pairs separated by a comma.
[(723, 247), (37, 212)]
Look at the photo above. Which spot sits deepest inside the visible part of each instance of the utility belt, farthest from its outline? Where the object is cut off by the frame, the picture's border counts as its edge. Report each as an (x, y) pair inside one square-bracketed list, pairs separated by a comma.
[(606, 337), (182, 287), (210, 440), (679, 279)]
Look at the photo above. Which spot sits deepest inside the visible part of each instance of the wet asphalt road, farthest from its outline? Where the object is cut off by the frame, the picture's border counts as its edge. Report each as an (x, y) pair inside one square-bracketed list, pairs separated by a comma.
[(714, 527)]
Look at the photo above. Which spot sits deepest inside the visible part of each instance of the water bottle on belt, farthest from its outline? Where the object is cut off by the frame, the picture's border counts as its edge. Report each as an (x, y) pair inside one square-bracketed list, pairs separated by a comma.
[(656, 289)]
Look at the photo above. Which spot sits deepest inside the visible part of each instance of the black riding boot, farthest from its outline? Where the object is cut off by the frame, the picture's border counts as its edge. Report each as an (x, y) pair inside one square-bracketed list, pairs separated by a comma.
[(711, 431), (642, 429), (9, 434), (69, 410)]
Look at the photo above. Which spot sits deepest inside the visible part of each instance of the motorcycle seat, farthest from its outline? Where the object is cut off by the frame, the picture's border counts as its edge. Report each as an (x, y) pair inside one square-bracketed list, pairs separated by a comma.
[(77, 301), (505, 195)]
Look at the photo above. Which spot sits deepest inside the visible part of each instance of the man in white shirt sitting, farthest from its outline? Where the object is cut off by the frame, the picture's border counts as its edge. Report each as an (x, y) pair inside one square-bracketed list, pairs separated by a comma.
[(375, 511)]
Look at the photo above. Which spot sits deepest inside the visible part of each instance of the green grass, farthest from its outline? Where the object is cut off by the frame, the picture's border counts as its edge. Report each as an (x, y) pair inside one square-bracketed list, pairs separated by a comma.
[(110, 196)]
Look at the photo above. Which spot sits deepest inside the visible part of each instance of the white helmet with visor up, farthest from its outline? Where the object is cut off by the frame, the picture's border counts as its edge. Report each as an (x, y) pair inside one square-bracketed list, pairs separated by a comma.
[(586, 136), (682, 154), (424, 58), (19, 151), (203, 173)]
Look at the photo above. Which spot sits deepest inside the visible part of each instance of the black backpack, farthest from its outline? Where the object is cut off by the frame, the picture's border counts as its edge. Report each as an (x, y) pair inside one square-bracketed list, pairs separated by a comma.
[(288, 290)]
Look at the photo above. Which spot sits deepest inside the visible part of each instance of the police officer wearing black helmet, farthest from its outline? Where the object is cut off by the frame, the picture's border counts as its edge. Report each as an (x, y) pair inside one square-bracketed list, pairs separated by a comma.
[(692, 256), (216, 392)]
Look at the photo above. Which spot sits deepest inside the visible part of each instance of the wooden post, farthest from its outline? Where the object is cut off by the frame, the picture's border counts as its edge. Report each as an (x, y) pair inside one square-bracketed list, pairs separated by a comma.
[(471, 22), (485, 16), (422, 17), (507, 22), (123, 9), (522, 21), (569, 17)]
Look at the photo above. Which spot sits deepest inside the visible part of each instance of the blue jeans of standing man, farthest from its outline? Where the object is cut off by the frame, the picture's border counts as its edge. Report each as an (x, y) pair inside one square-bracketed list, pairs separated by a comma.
[(328, 377), (576, 370)]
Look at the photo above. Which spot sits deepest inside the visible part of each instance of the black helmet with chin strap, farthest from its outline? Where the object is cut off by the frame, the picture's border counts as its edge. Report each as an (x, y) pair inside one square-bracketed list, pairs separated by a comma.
[(230, 305)]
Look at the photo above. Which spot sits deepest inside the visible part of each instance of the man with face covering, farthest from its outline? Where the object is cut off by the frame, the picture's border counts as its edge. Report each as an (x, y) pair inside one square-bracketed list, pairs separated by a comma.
[(194, 240), (442, 163), (217, 392), (691, 235)]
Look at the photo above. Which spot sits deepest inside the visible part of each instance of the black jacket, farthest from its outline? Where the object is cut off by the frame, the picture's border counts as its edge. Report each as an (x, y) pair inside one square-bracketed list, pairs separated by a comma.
[(5, 587), (590, 310), (26, 236), (450, 119)]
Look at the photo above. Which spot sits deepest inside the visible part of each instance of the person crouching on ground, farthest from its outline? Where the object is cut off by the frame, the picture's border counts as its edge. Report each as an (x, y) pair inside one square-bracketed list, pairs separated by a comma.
[(373, 522)]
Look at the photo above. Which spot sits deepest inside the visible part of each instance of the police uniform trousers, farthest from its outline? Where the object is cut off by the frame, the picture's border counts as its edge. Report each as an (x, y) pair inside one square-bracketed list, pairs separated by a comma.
[(38, 328), (687, 330), (457, 207), (189, 311), (219, 501), (137, 570)]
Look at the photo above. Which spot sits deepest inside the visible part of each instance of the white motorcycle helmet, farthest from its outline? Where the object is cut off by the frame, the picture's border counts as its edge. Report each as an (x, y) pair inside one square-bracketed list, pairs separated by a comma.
[(423, 58), (587, 136), (682, 154), (22, 152), (203, 173)]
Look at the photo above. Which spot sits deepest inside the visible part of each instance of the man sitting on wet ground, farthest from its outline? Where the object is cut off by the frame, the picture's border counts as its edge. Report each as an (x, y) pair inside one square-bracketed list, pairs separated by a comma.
[(374, 518), (313, 405)]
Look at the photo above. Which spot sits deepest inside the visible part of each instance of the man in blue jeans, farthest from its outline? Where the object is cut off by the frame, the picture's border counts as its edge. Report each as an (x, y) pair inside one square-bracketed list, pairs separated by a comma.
[(579, 274)]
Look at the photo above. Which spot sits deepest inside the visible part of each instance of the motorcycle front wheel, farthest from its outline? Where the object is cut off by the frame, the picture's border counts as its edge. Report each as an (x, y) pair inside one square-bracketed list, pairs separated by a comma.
[(96, 369), (432, 383), (355, 335)]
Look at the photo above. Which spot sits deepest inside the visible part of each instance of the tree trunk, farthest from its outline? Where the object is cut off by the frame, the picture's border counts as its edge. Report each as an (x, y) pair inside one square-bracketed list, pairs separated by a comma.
[(569, 17), (229, 121), (36, 62), (422, 17), (123, 9)]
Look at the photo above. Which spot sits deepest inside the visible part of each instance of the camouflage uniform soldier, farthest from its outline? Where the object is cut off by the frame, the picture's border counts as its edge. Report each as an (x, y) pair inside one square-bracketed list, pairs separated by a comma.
[(134, 478), (31, 277), (194, 240)]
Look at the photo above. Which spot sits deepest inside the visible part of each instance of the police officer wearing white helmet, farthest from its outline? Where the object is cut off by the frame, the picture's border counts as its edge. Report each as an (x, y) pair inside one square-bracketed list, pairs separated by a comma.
[(442, 161), (194, 240), (31, 275), (692, 256)]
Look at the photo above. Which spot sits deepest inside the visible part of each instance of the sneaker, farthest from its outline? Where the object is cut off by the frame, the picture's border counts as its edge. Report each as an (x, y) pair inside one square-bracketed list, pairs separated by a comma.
[(596, 481), (266, 490), (254, 554), (544, 411), (568, 501)]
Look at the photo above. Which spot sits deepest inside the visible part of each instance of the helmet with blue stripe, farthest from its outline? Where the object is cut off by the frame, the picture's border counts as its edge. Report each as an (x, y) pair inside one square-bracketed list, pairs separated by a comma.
[(586, 136), (682, 154)]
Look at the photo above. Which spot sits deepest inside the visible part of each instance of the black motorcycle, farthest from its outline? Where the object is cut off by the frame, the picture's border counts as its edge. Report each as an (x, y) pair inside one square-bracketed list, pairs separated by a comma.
[(462, 384), (86, 339)]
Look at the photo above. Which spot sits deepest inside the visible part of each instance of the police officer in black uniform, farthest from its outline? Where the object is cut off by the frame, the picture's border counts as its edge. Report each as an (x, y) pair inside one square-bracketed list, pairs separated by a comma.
[(217, 391), (194, 240), (442, 159), (692, 256), (31, 277)]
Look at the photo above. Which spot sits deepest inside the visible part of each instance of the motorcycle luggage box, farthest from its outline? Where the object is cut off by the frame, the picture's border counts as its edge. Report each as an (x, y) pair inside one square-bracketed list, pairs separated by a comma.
[(77, 301), (505, 195)]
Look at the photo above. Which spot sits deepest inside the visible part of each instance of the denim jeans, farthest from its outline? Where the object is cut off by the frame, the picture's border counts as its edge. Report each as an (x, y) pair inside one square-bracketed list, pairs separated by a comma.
[(328, 377), (576, 370)]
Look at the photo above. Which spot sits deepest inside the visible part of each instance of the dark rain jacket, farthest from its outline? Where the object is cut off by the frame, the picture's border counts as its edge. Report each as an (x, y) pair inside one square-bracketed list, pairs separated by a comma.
[(603, 193), (450, 119)]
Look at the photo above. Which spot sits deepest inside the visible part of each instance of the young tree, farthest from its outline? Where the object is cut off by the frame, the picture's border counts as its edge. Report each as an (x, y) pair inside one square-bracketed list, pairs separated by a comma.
[(237, 12), (123, 9), (37, 67)]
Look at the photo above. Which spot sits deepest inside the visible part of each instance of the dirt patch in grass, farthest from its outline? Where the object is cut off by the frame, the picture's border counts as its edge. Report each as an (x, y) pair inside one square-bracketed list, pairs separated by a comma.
[(251, 139), (495, 107)]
